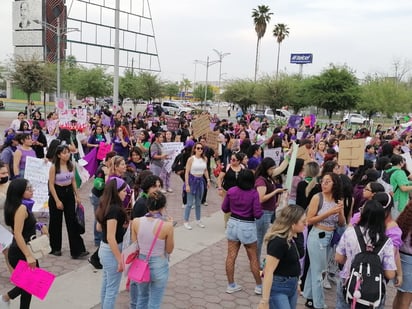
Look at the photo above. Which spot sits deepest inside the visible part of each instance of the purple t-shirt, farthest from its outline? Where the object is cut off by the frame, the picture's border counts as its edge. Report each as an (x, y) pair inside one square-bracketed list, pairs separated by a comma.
[(242, 203), (348, 246), (270, 204)]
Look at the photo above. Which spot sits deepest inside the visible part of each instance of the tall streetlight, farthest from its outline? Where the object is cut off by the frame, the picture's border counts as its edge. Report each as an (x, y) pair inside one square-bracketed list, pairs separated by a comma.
[(59, 33), (207, 64), (221, 56)]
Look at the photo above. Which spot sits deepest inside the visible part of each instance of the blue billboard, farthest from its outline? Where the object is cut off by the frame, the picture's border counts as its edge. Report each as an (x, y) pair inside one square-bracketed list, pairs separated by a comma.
[(301, 58)]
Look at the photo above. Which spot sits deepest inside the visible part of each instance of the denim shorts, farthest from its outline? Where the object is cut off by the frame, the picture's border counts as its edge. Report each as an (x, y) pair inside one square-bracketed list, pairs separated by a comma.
[(242, 231), (406, 262)]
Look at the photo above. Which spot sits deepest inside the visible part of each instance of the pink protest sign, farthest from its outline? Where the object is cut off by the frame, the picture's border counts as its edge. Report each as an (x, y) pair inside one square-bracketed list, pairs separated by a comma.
[(35, 281)]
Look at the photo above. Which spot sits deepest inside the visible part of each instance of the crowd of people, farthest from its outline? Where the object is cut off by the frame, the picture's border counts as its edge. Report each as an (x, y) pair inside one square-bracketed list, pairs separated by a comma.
[(301, 237)]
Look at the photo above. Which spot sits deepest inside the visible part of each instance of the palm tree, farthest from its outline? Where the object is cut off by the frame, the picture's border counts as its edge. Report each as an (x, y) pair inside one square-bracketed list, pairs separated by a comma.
[(185, 84), (281, 31), (261, 17)]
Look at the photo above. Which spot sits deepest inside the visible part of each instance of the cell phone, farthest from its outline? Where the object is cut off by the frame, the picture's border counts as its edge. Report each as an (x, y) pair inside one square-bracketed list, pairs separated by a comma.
[(322, 235)]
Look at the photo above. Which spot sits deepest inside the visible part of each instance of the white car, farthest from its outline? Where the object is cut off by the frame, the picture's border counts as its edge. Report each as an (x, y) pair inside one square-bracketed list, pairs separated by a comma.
[(171, 107), (355, 119)]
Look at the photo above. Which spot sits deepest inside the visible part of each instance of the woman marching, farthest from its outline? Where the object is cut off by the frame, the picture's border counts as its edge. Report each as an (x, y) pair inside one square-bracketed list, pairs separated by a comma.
[(150, 294), (282, 269), (63, 198), (112, 218), (23, 224)]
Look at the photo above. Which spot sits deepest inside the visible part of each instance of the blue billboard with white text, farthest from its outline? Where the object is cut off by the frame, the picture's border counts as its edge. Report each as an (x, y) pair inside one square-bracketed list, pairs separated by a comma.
[(301, 58)]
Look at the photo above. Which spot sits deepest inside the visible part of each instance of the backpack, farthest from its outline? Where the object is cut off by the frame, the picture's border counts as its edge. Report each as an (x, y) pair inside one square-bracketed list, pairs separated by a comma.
[(385, 181), (365, 287), (178, 164)]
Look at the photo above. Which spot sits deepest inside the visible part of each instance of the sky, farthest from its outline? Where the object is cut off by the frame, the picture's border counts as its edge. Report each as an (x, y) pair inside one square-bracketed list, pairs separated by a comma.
[(366, 35)]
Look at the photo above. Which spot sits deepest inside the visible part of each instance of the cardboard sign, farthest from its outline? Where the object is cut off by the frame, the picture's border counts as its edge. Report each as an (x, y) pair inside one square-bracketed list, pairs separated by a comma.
[(37, 172), (352, 152), (303, 153), (201, 126), (35, 281), (212, 140), (172, 124)]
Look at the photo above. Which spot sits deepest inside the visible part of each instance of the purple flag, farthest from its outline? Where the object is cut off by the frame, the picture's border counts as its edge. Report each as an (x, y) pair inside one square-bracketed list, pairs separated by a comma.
[(294, 121), (312, 120), (91, 159)]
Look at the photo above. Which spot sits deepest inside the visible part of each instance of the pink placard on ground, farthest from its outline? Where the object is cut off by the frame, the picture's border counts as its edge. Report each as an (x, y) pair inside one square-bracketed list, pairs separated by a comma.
[(35, 281)]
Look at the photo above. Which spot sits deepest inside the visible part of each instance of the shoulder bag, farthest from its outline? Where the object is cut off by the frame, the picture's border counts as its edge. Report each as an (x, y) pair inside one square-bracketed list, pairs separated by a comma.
[(139, 270)]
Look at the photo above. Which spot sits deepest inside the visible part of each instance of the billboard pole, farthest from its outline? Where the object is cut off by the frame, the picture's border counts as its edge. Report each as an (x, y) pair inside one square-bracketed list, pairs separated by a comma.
[(58, 34), (116, 55)]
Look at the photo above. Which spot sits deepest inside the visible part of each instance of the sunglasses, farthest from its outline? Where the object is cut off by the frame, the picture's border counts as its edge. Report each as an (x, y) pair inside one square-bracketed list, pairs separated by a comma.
[(199, 148)]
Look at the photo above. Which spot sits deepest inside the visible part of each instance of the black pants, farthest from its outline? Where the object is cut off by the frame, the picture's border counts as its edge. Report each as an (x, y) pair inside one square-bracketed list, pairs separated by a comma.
[(14, 256), (66, 195)]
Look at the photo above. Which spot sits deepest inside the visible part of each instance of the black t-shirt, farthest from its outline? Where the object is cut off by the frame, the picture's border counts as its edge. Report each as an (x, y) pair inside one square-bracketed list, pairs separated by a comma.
[(140, 208), (119, 215), (288, 256)]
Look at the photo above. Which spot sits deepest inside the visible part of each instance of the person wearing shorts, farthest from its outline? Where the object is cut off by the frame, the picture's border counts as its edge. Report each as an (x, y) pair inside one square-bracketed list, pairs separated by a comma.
[(242, 201)]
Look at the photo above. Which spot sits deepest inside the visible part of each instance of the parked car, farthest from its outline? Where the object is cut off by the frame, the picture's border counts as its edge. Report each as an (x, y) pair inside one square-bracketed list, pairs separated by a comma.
[(171, 107), (354, 118), (3, 94), (282, 114)]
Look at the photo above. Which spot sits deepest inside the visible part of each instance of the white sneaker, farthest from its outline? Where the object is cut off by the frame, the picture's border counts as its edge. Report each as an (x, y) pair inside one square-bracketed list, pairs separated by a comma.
[(233, 289), (205, 204), (169, 190), (187, 225), (258, 290), (4, 304), (163, 191), (200, 224), (183, 206)]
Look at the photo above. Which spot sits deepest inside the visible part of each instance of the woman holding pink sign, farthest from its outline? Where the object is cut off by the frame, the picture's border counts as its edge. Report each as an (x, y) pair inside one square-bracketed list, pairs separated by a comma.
[(23, 225)]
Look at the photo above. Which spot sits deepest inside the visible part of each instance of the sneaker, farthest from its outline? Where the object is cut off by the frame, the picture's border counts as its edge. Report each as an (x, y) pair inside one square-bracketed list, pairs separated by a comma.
[(200, 224), (187, 225), (163, 191), (258, 290), (205, 204), (232, 288), (326, 284), (169, 190), (309, 303), (56, 253), (4, 304), (96, 264), (183, 206)]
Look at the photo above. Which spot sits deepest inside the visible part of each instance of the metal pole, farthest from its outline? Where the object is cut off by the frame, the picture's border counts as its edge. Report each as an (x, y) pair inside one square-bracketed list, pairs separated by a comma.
[(207, 72), (58, 33), (116, 55), (220, 76)]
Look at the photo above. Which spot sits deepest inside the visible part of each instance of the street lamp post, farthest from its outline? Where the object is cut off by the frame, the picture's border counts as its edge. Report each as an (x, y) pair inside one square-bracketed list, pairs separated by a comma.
[(58, 32), (207, 64), (221, 56)]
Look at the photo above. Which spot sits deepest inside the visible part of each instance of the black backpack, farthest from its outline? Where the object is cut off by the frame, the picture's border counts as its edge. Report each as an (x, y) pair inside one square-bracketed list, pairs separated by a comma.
[(178, 164), (386, 176), (366, 283)]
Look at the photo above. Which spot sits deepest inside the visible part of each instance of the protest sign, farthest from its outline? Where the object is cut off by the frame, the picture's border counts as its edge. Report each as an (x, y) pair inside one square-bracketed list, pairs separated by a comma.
[(408, 159), (37, 172), (352, 152), (172, 124), (212, 140), (275, 153), (35, 281), (201, 126), (73, 119), (5, 238), (172, 150), (291, 167)]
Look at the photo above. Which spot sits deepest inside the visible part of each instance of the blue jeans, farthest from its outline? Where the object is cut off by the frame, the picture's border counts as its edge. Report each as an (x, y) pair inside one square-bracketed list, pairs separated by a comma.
[(111, 277), (149, 295), (284, 292), (318, 249), (94, 200), (340, 298), (194, 199), (262, 226)]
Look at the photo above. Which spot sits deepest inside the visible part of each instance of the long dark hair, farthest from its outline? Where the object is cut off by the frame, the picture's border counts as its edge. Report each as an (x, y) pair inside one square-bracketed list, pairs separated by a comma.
[(373, 220), (110, 198), (56, 159), (264, 166), (336, 187), (14, 196), (405, 222)]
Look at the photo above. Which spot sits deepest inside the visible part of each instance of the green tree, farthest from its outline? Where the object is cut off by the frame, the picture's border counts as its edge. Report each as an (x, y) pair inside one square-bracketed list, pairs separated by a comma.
[(184, 85), (241, 92), (28, 76), (149, 86), (170, 89), (298, 94), (335, 89), (69, 71), (48, 82), (261, 17), (273, 93), (128, 86), (281, 31), (93, 82), (199, 93)]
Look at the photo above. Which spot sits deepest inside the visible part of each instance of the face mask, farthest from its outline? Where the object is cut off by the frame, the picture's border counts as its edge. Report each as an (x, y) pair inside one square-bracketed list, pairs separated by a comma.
[(3, 180)]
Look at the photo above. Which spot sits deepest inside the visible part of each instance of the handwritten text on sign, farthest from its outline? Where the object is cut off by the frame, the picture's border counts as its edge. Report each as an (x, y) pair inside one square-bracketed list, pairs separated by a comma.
[(37, 172)]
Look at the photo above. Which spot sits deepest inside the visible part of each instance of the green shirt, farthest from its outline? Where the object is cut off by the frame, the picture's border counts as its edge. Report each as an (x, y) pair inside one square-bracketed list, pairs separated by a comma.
[(398, 178)]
